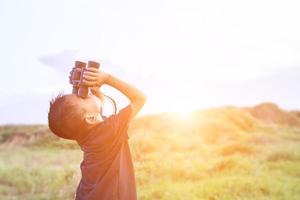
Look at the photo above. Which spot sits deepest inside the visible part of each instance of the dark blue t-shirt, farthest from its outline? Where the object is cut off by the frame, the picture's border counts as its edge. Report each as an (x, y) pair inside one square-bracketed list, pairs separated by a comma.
[(107, 169)]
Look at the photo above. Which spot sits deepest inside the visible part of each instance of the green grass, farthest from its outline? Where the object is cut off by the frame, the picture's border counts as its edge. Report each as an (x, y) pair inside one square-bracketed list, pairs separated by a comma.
[(236, 160), (38, 173)]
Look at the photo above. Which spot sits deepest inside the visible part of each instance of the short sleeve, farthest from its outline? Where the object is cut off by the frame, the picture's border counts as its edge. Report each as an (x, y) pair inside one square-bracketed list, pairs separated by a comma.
[(123, 116), (112, 131), (121, 121)]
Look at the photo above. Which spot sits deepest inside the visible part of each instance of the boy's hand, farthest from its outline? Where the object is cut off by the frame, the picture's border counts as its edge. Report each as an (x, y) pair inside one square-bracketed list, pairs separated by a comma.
[(72, 82), (94, 78), (70, 76)]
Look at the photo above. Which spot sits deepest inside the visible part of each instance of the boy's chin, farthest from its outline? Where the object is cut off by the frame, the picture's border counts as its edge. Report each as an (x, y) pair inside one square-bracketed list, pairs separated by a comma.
[(94, 123)]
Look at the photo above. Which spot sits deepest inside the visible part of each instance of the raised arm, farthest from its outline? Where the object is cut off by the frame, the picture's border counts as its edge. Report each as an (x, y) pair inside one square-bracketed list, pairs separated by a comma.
[(95, 78), (137, 98)]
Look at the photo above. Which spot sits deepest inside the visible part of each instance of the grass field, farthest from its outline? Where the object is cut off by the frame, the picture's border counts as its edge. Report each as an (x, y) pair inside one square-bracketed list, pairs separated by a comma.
[(216, 154)]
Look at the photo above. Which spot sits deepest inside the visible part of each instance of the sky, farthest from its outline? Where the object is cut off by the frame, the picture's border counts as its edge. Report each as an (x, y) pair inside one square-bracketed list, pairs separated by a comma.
[(184, 55)]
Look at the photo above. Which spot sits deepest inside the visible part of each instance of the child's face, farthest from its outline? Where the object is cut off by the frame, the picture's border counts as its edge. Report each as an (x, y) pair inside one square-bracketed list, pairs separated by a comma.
[(92, 106)]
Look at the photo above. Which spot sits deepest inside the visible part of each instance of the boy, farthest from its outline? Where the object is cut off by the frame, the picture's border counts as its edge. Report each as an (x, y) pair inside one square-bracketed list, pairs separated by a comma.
[(106, 170)]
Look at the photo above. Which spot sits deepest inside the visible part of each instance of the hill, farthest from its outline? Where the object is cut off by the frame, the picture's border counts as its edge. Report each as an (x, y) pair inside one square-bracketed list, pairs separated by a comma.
[(219, 153), (213, 124), (272, 114)]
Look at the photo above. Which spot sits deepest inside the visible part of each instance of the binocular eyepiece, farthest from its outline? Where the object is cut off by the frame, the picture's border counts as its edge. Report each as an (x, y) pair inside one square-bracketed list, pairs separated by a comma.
[(77, 77)]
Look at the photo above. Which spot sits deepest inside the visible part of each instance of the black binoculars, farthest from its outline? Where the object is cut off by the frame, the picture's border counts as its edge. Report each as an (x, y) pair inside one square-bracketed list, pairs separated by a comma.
[(77, 77)]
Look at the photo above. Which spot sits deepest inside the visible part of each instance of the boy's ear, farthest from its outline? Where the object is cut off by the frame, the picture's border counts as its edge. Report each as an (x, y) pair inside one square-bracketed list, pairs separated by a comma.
[(91, 119)]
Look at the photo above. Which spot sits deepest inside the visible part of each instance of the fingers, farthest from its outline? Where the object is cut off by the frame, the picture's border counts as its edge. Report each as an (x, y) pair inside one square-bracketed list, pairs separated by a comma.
[(73, 73), (86, 73), (95, 70), (89, 78), (70, 80), (70, 76), (89, 83), (90, 75)]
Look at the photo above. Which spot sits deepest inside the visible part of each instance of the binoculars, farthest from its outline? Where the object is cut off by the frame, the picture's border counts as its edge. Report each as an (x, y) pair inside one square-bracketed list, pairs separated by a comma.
[(77, 77)]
